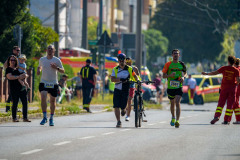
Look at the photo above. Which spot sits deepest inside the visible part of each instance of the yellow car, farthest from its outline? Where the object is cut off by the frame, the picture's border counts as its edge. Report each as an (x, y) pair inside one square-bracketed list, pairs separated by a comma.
[(207, 89)]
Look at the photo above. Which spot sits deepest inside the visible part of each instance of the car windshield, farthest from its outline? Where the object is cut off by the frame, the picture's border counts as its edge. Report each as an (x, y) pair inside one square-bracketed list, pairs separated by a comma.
[(198, 80)]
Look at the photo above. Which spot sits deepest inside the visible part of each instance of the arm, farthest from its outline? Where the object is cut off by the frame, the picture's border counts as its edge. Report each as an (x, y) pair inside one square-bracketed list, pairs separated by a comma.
[(5, 64), (22, 68), (165, 75), (210, 73), (12, 77), (39, 69), (238, 80), (114, 79), (136, 71), (95, 79)]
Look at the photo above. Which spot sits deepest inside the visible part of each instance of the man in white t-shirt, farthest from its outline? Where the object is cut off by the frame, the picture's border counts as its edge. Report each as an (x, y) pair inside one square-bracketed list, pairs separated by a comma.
[(49, 65), (191, 88)]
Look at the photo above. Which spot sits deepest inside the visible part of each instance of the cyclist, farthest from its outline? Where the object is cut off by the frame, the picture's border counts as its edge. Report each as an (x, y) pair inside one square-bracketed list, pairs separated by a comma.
[(175, 72), (120, 75), (228, 90), (132, 88)]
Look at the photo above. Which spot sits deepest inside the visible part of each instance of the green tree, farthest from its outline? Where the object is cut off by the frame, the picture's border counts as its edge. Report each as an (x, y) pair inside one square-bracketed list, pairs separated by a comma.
[(195, 26), (230, 37), (157, 45)]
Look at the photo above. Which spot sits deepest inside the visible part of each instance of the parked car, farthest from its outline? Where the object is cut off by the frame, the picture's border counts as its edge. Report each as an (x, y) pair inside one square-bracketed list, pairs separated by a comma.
[(207, 89)]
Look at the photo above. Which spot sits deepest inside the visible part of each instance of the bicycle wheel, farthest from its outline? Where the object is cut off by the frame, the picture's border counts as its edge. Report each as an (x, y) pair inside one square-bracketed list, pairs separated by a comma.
[(136, 110), (140, 113)]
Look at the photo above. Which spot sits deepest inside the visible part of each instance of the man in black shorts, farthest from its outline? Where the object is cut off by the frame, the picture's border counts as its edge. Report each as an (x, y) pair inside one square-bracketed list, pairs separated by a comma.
[(120, 75), (49, 65)]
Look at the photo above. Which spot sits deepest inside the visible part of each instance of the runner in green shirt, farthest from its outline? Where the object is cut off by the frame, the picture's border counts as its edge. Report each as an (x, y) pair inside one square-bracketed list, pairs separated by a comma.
[(175, 71)]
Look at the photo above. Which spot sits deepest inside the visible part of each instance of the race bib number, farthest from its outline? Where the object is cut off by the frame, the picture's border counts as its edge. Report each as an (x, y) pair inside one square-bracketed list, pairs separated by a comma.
[(174, 84), (48, 85)]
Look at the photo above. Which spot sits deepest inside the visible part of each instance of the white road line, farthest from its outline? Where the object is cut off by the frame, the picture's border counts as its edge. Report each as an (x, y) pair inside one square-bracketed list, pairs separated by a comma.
[(152, 124), (32, 151), (163, 122), (108, 133), (62, 143), (123, 130), (87, 137)]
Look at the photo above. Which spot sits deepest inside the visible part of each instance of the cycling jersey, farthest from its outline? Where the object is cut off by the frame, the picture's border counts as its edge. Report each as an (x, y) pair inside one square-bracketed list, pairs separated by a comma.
[(178, 68)]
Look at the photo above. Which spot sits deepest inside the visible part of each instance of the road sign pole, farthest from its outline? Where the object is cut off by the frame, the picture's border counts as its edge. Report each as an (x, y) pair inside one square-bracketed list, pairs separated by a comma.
[(19, 38), (138, 54)]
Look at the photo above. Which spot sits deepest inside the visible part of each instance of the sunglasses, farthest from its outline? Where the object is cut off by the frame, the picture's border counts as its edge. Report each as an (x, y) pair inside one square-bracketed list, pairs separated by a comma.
[(13, 60), (18, 50), (50, 49), (121, 59)]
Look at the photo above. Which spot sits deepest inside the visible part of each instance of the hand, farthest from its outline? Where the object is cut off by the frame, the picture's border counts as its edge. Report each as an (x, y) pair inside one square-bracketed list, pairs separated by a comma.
[(22, 76), (181, 79), (172, 75), (204, 73), (123, 80), (138, 82), (53, 65)]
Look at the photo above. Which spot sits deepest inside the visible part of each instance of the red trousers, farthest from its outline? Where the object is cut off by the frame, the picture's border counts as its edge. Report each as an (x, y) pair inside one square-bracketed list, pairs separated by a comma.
[(227, 94), (236, 107)]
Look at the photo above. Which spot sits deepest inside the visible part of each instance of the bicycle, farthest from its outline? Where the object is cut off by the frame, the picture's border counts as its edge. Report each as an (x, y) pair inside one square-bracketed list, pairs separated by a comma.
[(138, 103)]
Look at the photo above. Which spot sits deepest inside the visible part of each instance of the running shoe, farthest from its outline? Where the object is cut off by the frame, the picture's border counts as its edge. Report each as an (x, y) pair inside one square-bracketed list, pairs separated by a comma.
[(123, 112), (215, 119), (237, 122), (172, 123), (51, 123), (225, 122), (119, 124), (127, 118), (44, 120), (177, 124), (87, 109)]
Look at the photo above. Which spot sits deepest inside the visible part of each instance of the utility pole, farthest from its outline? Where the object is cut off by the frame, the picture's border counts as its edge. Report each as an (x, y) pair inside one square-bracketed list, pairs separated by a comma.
[(84, 27), (56, 26), (112, 16), (138, 53), (131, 18)]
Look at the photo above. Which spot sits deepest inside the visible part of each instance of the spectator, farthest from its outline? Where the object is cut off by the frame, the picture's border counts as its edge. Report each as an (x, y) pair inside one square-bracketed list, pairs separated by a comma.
[(22, 67), (13, 75), (98, 84), (78, 87), (106, 82), (191, 88), (157, 84), (16, 51), (63, 84)]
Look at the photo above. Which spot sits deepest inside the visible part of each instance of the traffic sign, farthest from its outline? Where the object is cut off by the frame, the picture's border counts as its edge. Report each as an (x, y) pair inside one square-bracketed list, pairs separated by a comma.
[(92, 42), (105, 40)]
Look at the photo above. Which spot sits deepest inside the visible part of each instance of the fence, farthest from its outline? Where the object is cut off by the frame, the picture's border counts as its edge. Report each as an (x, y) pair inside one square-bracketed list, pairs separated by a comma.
[(4, 87)]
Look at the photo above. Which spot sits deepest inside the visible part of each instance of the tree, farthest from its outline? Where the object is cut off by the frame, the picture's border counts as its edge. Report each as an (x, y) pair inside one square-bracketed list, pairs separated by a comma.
[(230, 37), (157, 45), (195, 26)]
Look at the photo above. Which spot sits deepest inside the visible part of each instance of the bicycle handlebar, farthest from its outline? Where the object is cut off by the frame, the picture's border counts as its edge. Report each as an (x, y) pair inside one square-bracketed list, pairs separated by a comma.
[(146, 82)]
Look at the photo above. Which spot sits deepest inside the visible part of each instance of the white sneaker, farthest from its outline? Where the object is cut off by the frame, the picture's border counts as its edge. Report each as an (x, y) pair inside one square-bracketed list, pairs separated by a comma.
[(127, 118)]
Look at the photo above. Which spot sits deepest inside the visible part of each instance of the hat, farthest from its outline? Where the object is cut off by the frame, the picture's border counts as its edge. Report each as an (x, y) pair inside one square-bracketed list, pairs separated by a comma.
[(65, 75), (88, 61), (22, 56), (121, 56)]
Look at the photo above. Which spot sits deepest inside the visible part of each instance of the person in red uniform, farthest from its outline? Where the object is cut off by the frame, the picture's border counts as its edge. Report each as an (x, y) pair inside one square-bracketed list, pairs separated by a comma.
[(228, 90), (236, 107)]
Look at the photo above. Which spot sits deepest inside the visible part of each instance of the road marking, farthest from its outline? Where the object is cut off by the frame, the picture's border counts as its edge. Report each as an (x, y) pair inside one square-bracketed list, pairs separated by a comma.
[(32, 151), (163, 122), (62, 143), (108, 133), (87, 137), (152, 124), (123, 130)]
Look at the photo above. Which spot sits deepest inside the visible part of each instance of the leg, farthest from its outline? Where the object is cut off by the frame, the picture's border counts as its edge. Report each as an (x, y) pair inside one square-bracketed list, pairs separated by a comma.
[(161, 96), (117, 113), (78, 94), (15, 98), (129, 107), (172, 108), (8, 102), (178, 108), (230, 101), (23, 97), (221, 102), (44, 101), (21, 82)]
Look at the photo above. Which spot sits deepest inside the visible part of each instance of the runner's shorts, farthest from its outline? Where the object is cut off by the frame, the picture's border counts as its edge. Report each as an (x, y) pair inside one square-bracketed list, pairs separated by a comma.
[(120, 98), (173, 92), (52, 91), (131, 92)]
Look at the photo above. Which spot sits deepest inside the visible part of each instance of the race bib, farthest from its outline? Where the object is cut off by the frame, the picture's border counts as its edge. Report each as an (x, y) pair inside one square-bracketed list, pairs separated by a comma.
[(48, 85), (174, 84)]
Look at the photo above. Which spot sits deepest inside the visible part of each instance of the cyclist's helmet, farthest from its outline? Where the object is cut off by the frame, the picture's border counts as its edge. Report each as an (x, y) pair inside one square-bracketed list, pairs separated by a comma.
[(121, 56), (128, 59)]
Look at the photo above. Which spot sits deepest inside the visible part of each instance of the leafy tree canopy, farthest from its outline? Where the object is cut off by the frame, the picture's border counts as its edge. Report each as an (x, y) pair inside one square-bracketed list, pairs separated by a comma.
[(195, 26)]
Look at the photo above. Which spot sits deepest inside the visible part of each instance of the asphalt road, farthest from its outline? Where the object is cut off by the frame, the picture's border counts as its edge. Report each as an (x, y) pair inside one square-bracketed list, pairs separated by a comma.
[(94, 136)]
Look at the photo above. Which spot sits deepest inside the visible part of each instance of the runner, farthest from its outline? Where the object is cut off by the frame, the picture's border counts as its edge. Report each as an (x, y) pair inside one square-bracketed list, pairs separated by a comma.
[(228, 90), (175, 72), (49, 65), (131, 90), (120, 75)]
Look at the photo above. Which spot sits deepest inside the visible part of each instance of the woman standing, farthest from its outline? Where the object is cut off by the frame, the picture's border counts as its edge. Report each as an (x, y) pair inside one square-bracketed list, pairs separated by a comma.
[(13, 75)]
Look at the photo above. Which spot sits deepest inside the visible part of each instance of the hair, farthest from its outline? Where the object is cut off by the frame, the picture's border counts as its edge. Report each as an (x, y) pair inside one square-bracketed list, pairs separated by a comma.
[(175, 50), (8, 61), (15, 47), (52, 47), (231, 59), (237, 61)]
